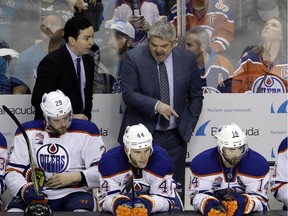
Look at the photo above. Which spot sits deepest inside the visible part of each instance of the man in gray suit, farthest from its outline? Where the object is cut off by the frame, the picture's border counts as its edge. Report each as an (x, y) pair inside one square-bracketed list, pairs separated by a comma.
[(142, 90)]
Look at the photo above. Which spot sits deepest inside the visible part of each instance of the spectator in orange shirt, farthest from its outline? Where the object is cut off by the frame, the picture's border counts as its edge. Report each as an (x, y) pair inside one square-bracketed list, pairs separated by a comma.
[(214, 15)]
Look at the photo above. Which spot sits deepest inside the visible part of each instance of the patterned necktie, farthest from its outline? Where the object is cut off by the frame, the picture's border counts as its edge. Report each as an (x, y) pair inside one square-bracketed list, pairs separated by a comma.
[(164, 93)]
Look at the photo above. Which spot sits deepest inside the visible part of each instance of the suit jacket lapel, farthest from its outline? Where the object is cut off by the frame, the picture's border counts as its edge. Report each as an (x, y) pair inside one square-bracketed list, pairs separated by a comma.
[(176, 69), (150, 66)]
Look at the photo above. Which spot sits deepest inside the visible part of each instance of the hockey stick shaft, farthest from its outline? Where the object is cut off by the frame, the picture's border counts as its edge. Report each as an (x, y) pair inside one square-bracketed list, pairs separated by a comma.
[(230, 175), (229, 187), (34, 179), (130, 187)]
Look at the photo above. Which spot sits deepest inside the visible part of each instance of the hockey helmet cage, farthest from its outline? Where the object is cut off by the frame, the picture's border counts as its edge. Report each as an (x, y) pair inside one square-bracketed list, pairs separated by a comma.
[(55, 104), (230, 136)]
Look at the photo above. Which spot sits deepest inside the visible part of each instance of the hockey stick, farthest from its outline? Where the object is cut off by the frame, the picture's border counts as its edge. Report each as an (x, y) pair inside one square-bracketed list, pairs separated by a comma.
[(33, 177), (229, 176), (129, 186)]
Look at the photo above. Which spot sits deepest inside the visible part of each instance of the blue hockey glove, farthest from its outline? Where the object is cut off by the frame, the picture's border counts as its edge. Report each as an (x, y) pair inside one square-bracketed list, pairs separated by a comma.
[(40, 175), (29, 195), (213, 207), (143, 202), (245, 204), (122, 206)]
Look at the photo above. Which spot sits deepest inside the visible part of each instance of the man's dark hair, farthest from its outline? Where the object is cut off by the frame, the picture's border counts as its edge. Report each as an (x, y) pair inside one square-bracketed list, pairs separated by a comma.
[(74, 25)]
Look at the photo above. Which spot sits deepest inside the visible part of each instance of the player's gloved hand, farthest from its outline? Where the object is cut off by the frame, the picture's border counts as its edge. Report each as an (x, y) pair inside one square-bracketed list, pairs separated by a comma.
[(215, 212), (231, 207), (40, 176), (244, 202), (122, 206), (213, 208), (139, 212), (143, 205), (29, 195)]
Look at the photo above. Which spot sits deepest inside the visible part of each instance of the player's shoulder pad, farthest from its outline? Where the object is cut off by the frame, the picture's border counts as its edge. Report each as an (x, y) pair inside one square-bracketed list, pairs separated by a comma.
[(253, 164), (113, 161), (159, 162), (32, 125), (3, 142), (207, 162), (283, 145), (84, 126)]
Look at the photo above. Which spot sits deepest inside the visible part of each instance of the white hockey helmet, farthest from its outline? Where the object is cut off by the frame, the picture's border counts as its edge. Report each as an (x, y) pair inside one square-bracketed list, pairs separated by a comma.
[(55, 104), (137, 137), (230, 136)]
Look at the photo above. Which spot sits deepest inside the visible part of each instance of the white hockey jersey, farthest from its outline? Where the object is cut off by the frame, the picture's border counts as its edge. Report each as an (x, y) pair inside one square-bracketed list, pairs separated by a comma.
[(78, 150), (155, 180), (279, 181), (3, 161), (209, 178)]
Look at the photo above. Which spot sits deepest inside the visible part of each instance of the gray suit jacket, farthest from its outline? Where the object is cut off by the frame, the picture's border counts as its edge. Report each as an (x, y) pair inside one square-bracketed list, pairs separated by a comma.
[(140, 90)]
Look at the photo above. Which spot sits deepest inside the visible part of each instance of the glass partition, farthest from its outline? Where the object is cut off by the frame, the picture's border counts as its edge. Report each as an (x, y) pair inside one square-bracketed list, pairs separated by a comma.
[(240, 45)]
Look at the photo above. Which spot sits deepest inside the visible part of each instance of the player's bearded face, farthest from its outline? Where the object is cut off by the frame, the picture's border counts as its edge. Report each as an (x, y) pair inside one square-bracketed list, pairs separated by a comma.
[(140, 157), (233, 155), (60, 125), (118, 41)]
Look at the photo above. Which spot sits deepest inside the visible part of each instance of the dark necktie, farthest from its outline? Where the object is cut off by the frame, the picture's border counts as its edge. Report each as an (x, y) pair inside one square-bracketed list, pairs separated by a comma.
[(164, 93), (78, 68)]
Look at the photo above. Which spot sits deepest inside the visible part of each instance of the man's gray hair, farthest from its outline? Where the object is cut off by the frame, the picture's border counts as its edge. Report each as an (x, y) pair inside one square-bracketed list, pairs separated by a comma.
[(162, 29)]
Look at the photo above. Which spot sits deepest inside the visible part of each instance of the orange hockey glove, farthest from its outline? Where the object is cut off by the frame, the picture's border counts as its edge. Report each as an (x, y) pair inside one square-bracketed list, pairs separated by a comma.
[(215, 212), (139, 212), (231, 207), (123, 210), (122, 206)]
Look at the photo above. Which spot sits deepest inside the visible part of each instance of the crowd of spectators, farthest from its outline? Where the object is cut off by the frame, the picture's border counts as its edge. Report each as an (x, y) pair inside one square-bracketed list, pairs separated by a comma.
[(32, 29)]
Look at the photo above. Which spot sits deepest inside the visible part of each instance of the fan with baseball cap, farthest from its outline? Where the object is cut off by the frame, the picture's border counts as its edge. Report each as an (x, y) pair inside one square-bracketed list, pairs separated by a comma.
[(124, 27)]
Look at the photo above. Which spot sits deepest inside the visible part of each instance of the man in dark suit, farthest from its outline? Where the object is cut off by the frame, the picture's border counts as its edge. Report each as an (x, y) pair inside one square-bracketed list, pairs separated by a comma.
[(142, 88), (69, 69)]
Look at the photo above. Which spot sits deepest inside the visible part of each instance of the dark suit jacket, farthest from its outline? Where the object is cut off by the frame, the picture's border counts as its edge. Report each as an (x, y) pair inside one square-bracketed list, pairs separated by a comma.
[(57, 71), (140, 90)]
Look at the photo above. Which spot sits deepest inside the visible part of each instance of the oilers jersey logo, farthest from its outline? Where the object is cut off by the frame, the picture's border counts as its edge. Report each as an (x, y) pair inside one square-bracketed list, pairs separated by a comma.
[(52, 158), (268, 84), (141, 187)]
